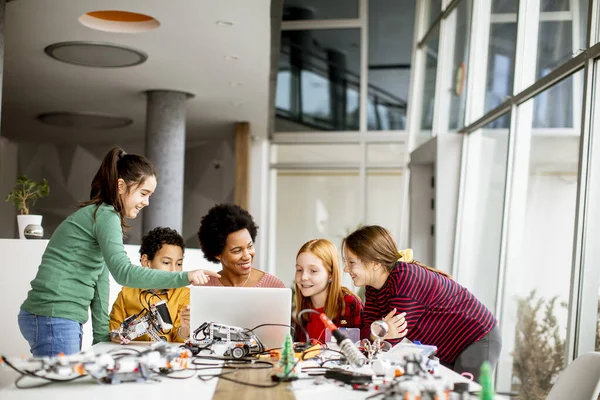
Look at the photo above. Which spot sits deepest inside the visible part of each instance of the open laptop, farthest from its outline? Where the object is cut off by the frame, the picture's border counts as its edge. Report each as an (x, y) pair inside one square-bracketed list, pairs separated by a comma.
[(245, 308)]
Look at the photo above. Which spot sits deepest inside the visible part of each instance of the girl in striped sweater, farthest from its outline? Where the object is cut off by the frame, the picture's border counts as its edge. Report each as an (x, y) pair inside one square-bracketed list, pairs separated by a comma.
[(419, 302)]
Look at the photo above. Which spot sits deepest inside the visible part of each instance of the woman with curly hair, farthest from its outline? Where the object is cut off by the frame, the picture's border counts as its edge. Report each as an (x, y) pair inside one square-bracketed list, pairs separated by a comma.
[(227, 233)]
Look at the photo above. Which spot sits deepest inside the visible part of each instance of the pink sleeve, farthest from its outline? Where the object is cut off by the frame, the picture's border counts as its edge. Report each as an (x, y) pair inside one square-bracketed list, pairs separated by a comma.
[(271, 281), (212, 281)]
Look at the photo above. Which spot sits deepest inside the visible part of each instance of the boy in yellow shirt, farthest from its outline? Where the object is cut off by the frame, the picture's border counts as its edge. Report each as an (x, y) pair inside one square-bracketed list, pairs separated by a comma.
[(162, 249)]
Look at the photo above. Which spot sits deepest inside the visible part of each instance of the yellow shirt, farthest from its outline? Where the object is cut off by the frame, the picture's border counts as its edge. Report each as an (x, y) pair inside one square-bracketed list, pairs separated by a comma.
[(128, 304)]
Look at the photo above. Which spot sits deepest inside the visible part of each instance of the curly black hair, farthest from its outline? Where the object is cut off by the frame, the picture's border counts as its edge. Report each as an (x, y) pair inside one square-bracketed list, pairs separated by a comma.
[(156, 238), (218, 223)]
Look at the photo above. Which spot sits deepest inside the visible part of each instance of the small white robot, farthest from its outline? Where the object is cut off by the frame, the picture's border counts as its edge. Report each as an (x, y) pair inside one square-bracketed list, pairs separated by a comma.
[(227, 340)]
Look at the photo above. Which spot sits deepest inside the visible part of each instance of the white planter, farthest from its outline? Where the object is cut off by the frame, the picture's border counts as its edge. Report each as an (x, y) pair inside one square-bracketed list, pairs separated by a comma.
[(24, 220)]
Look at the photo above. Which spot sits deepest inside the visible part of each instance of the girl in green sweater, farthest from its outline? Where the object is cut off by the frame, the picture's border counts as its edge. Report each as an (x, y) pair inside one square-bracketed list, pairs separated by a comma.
[(84, 249)]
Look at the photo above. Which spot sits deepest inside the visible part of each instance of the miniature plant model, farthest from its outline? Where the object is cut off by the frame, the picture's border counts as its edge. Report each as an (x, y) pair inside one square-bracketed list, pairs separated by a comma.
[(287, 361), (26, 192), (485, 379)]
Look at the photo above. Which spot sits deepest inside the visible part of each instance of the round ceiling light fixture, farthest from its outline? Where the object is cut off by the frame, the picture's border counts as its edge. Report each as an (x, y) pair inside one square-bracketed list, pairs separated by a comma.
[(96, 54), (224, 23), (231, 58), (84, 120), (119, 21)]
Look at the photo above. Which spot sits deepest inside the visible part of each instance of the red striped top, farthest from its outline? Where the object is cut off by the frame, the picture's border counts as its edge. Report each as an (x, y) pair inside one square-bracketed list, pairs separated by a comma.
[(439, 311)]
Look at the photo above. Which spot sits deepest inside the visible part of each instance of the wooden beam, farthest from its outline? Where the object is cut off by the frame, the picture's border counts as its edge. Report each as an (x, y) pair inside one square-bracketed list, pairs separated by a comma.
[(242, 164)]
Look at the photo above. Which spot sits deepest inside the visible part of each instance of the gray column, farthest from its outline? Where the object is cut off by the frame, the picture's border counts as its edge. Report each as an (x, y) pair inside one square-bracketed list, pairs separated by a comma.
[(2, 23), (165, 147)]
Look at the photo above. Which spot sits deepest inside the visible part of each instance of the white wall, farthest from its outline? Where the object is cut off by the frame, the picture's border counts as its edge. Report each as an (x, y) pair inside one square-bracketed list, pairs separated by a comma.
[(20, 260), (209, 179), (422, 215), (8, 174), (312, 205)]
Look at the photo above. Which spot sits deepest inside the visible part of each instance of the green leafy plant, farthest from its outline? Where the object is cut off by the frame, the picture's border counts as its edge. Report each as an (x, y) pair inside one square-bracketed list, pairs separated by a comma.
[(539, 350), (26, 192)]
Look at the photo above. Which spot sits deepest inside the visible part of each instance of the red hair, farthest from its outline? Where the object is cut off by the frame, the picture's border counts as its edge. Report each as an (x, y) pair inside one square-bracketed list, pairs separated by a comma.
[(334, 304)]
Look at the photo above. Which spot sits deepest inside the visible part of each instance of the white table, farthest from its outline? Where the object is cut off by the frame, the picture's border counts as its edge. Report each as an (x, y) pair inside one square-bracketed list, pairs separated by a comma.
[(90, 390), (168, 388)]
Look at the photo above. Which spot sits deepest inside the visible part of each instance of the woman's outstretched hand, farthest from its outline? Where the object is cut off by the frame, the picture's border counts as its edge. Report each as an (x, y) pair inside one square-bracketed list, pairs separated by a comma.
[(396, 324), (199, 277)]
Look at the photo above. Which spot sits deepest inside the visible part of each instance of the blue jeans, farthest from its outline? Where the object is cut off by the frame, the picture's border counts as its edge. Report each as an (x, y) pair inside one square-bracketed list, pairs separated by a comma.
[(49, 336)]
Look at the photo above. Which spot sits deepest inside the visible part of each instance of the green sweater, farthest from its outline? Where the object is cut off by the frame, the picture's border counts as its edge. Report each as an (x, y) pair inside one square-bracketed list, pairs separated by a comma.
[(73, 275)]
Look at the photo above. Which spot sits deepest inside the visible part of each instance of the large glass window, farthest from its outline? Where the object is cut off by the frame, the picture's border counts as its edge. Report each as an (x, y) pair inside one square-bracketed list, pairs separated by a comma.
[(391, 26), (458, 88), (431, 59), (562, 32), (589, 336), (483, 205), (501, 56), (318, 85), (294, 10), (538, 273), (504, 6), (434, 10)]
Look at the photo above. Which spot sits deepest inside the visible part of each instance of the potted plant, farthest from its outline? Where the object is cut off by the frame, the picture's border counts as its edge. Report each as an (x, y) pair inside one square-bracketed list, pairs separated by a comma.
[(23, 196)]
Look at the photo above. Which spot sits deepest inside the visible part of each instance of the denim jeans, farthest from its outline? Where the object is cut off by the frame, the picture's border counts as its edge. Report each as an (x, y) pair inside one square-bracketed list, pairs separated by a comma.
[(49, 336)]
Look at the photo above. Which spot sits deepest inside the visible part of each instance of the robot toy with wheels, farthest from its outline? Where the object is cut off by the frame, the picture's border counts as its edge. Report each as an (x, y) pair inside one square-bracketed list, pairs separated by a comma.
[(152, 322), (226, 340)]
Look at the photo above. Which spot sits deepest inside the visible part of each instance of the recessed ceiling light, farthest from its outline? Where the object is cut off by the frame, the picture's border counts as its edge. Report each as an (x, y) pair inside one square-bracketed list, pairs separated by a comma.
[(224, 23), (118, 21), (235, 84), (232, 58), (237, 103), (84, 120), (96, 54)]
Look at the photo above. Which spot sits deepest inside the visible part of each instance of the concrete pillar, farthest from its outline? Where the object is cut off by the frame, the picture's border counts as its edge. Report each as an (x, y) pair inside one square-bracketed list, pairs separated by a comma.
[(165, 147), (2, 23)]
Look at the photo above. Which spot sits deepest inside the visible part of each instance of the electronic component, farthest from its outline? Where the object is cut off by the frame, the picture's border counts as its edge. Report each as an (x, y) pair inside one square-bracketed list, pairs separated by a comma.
[(230, 340), (348, 377), (152, 322), (348, 349), (105, 368)]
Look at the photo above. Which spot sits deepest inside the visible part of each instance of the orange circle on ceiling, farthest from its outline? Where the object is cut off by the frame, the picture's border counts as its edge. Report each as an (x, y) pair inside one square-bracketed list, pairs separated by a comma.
[(119, 21)]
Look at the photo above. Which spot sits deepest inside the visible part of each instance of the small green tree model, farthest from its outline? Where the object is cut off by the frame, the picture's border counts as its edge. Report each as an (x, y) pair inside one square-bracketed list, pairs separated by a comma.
[(26, 192), (287, 360), (539, 350), (485, 379)]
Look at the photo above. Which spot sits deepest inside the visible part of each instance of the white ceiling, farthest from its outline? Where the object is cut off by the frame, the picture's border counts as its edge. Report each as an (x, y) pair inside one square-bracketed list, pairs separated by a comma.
[(187, 53)]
